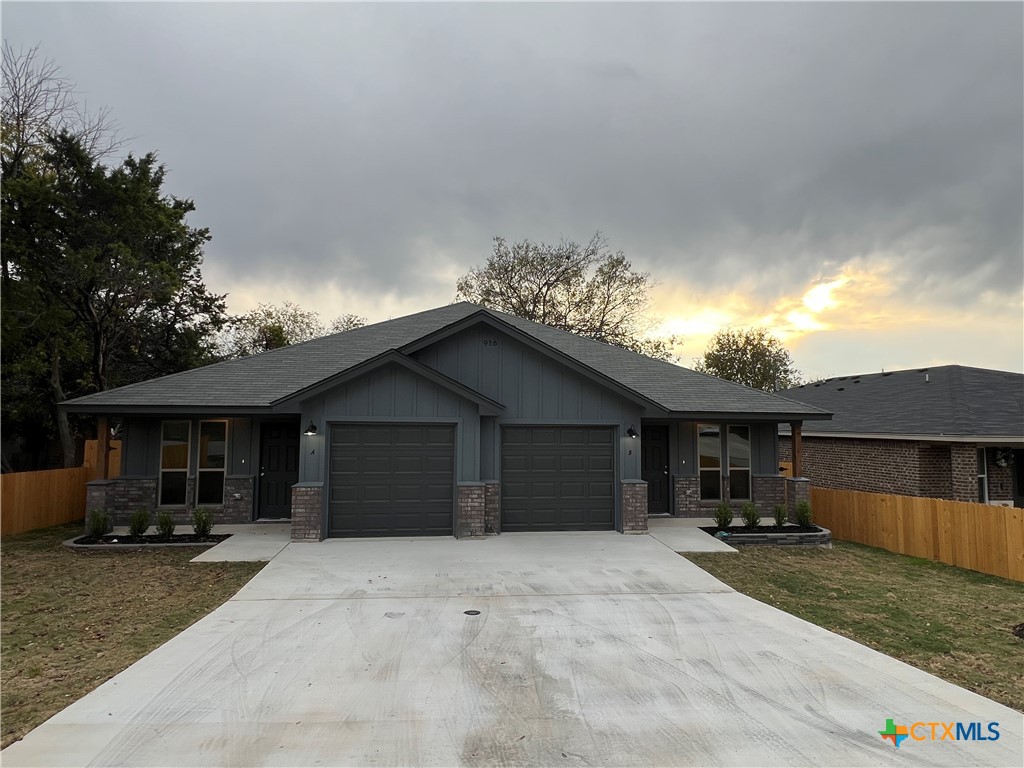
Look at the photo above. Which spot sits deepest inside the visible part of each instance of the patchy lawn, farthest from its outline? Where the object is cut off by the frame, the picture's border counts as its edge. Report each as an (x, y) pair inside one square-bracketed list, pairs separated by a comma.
[(953, 623), (71, 621)]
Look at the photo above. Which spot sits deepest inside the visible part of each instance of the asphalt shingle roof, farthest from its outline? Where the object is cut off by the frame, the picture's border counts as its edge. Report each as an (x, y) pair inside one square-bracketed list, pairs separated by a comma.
[(948, 400), (260, 380)]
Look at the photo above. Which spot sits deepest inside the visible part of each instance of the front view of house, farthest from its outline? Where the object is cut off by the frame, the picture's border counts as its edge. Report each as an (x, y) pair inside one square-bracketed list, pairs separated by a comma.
[(456, 421)]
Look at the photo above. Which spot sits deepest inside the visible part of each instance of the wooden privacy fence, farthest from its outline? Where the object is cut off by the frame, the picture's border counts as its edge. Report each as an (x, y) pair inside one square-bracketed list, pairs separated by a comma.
[(30, 500), (976, 536)]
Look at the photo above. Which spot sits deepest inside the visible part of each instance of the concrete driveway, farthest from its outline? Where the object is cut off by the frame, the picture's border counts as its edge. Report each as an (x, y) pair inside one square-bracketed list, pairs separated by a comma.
[(588, 649)]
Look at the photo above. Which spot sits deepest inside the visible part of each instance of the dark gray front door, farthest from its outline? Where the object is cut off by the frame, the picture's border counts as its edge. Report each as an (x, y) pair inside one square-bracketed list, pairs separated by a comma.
[(391, 480), (654, 466), (557, 479), (279, 469)]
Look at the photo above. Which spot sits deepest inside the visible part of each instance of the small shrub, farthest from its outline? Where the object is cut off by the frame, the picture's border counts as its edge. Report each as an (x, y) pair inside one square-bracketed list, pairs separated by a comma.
[(723, 515), (781, 515), (803, 514), (165, 525), (202, 521), (751, 518), (99, 523), (139, 523)]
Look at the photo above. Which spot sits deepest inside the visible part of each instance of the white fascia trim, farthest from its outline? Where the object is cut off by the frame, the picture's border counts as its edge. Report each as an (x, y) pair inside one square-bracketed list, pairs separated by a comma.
[(1000, 440)]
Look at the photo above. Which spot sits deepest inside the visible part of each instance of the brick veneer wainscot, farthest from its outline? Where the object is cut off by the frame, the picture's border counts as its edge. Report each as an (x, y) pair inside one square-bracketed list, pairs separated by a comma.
[(470, 505), (492, 508), (307, 511), (687, 492), (769, 491), (634, 506)]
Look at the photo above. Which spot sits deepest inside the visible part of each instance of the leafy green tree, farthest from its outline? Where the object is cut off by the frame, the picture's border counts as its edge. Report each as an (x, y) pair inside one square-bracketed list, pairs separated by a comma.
[(752, 357), (583, 288), (271, 326), (103, 272)]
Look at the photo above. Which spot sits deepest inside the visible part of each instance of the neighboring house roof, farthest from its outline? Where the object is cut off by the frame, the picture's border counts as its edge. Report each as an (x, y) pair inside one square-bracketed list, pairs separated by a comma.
[(947, 401), (261, 381)]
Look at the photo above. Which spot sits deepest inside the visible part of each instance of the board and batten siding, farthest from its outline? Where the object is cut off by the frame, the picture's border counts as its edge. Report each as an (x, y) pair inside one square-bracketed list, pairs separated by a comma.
[(534, 388), (391, 393), (143, 436)]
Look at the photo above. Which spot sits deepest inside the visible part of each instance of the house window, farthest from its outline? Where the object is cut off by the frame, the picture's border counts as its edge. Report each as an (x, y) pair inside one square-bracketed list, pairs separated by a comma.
[(174, 440), (709, 447), (982, 477), (212, 461), (739, 462)]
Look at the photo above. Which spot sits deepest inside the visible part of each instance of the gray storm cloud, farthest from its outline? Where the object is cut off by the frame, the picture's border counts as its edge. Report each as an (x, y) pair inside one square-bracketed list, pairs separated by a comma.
[(707, 141)]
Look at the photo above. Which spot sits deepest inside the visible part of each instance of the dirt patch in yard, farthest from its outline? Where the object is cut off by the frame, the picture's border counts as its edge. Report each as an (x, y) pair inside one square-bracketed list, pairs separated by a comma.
[(954, 623), (72, 620)]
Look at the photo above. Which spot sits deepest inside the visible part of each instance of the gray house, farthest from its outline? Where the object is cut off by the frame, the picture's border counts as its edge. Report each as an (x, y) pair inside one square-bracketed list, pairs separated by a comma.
[(455, 421)]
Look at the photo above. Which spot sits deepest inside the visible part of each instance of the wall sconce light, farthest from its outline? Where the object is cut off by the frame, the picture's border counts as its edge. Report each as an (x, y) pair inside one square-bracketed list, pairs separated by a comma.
[(310, 430), (632, 432)]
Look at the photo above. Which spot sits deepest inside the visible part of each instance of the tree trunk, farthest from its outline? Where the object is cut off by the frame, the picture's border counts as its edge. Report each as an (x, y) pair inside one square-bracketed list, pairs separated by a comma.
[(67, 444)]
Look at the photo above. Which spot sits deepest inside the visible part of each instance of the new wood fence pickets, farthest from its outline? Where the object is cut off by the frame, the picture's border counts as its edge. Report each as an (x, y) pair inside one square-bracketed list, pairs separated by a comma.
[(975, 536), (30, 500)]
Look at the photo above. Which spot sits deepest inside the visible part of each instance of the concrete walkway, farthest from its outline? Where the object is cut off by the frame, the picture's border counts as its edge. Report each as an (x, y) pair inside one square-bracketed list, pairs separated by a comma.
[(523, 649), (256, 543), (684, 534)]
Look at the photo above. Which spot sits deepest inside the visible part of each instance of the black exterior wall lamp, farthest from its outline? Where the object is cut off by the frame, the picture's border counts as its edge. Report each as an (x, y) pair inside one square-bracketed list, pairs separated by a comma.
[(311, 429), (632, 432)]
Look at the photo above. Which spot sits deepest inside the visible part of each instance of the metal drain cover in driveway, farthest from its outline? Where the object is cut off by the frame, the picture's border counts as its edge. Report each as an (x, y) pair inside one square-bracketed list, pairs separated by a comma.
[(472, 613)]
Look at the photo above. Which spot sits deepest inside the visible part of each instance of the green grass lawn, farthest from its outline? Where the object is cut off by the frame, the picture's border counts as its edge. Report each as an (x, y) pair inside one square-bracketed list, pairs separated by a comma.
[(70, 621), (953, 623)]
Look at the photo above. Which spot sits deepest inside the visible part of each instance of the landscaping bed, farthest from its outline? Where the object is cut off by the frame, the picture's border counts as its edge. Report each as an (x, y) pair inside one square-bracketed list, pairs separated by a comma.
[(957, 624), (72, 620), (772, 535), (113, 540)]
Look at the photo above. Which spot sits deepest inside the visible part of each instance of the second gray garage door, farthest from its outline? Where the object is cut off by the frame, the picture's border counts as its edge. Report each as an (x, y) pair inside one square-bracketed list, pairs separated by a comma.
[(391, 480), (557, 479)]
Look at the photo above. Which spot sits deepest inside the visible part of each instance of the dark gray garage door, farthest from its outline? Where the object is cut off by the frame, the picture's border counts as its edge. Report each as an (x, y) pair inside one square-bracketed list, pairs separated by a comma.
[(391, 480), (557, 479)]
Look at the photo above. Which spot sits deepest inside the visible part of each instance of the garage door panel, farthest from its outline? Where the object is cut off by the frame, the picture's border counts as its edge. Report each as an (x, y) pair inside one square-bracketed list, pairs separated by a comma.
[(391, 480), (557, 478)]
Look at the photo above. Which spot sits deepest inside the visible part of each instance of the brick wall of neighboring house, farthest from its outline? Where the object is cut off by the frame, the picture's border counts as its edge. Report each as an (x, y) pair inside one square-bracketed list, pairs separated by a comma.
[(1000, 479), (901, 467), (878, 466), (963, 459)]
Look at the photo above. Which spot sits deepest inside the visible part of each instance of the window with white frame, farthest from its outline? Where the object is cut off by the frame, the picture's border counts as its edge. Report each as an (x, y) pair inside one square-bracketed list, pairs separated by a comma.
[(174, 442), (213, 443), (739, 461), (709, 450), (982, 477)]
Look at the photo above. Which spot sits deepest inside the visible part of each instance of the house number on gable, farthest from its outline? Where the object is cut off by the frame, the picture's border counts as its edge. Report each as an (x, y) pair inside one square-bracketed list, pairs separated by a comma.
[(490, 342)]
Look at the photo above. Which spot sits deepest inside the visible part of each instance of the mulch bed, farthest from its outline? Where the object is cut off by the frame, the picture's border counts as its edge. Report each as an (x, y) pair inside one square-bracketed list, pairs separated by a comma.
[(178, 538), (763, 529)]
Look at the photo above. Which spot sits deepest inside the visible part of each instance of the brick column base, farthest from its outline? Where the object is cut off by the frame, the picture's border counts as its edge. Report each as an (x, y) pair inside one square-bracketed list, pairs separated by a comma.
[(634, 506), (97, 496), (797, 489), (687, 491), (768, 491), (492, 508), (238, 510), (470, 505), (307, 512)]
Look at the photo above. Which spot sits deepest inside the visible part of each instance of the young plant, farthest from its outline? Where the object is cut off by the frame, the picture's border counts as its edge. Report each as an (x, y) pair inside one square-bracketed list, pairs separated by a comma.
[(751, 518), (781, 515), (165, 525), (723, 515), (139, 523), (202, 521), (99, 523), (803, 514)]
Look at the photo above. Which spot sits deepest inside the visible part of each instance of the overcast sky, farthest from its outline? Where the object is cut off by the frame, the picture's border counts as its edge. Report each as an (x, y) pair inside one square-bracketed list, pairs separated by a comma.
[(851, 175)]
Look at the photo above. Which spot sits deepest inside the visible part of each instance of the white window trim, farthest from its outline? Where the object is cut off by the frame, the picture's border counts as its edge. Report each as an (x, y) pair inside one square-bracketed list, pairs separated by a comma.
[(188, 464)]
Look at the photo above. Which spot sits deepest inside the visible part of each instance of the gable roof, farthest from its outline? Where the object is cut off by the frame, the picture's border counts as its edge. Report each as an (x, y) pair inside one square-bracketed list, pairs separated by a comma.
[(258, 382), (944, 401)]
